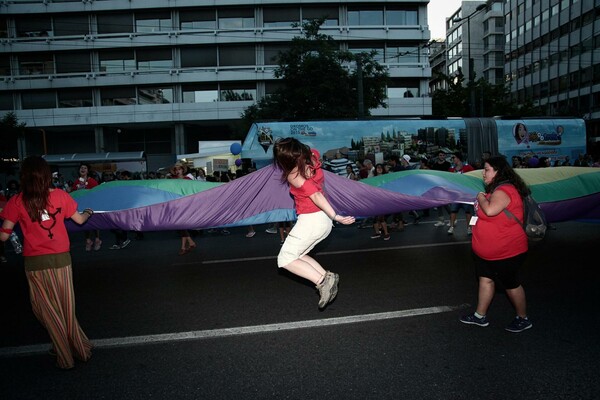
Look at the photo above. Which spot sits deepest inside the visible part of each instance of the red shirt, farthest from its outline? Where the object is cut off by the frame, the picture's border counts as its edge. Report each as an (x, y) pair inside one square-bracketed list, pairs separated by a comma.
[(46, 237), (500, 236), (81, 183), (314, 184), (465, 168)]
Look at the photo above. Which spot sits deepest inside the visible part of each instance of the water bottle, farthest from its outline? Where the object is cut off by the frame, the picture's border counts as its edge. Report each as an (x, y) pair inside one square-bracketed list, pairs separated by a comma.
[(14, 239)]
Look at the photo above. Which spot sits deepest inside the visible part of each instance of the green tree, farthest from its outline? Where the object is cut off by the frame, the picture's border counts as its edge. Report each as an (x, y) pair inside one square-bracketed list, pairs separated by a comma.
[(11, 130), (490, 100), (317, 83)]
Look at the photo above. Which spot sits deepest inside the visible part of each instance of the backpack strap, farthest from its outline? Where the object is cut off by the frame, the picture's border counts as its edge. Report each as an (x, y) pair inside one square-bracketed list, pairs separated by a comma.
[(511, 215)]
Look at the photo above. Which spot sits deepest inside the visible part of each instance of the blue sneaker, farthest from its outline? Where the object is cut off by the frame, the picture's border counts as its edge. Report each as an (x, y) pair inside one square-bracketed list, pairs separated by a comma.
[(519, 325), (473, 320)]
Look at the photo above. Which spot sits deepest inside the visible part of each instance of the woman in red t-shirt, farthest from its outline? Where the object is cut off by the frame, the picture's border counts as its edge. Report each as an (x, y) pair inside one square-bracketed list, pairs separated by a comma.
[(499, 242), (84, 182), (301, 169), (41, 212), (179, 171)]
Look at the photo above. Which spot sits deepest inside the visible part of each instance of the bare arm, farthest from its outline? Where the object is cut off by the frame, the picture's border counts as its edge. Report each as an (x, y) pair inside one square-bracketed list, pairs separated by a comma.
[(81, 218), (321, 201), (6, 226), (497, 202)]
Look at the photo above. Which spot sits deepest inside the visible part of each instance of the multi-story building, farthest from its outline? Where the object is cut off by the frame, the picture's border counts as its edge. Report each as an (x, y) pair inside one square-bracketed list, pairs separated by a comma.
[(553, 56), (159, 76)]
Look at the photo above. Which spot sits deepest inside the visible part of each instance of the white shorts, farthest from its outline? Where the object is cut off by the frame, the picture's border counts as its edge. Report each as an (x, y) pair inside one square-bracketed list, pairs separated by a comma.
[(310, 229)]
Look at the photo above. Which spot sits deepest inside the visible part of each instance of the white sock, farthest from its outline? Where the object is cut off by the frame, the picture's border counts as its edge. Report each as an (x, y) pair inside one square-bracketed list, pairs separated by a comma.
[(478, 315)]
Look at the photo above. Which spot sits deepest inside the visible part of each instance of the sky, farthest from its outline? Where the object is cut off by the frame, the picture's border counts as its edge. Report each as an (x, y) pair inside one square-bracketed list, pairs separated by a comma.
[(437, 12)]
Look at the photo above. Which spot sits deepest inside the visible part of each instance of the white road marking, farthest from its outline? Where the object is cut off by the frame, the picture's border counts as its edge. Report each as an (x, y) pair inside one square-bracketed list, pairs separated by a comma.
[(325, 253), (236, 331)]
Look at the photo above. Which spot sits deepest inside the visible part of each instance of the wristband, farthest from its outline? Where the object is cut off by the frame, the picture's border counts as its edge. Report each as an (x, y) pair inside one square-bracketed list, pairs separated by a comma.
[(333, 219), (88, 211)]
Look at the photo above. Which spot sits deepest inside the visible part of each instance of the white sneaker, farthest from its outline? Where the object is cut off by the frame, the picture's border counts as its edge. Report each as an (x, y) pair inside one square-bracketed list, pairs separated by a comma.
[(271, 230), (439, 223), (451, 230)]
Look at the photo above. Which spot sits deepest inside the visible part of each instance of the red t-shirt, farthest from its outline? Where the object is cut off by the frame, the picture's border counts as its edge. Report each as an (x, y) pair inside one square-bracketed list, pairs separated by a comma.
[(49, 236), (465, 168), (500, 236), (81, 183), (304, 204)]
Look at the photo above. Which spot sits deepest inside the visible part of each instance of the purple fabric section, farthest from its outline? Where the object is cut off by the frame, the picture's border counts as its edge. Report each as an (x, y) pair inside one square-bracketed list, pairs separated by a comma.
[(582, 208), (260, 193)]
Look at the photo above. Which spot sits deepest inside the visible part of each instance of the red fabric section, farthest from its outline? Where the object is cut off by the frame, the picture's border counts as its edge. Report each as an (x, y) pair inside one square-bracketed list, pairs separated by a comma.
[(46, 237), (500, 236), (314, 184)]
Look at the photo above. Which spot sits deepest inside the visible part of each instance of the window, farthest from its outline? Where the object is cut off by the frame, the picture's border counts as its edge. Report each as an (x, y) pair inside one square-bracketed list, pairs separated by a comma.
[(154, 59), (34, 26), (117, 96), (115, 23), (198, 57), (203, 93), (36, 64), (236, 18), (67, 25), (283, 17), (403, 88), (3, 28), (373, 16), (117, 61), (4, 66), (401, 17), (153, 22), (237, 91), (6, 101), (155, 95), (236, 55), (272, 53), (37, 100), (403, 54), (331, 15), (75, 98), (197, 19), (73, 62)]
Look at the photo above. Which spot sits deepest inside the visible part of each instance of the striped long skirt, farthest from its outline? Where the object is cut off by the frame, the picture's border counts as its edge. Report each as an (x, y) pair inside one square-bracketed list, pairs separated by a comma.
[(53, 302)]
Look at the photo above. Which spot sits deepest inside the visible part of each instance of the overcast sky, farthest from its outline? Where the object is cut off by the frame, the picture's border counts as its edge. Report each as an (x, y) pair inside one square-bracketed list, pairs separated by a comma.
[(437, 12)]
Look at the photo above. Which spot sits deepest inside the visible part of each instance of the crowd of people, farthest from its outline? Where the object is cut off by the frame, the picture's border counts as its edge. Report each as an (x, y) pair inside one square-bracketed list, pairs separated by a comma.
[(39, 205)]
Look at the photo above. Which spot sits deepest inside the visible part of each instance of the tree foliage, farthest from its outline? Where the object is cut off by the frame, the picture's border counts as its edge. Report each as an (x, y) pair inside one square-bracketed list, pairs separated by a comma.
[(477, 99), (11, 130), (319, 81)]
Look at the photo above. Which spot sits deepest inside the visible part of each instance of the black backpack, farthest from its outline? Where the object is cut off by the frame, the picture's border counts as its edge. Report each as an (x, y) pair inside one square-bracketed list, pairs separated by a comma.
[(534, 220)]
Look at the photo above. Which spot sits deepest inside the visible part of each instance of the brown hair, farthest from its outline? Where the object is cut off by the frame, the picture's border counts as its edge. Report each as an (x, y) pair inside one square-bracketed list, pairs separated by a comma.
[(289, 153), (36, 180)]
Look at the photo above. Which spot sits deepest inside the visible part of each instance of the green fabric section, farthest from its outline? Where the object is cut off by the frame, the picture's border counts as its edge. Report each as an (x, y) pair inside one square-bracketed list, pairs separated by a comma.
[(184, 187), (470, 180)]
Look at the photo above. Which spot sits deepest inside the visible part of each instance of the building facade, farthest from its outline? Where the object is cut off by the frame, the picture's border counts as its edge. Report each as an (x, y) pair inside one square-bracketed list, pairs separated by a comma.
[(159, 76), (553, 57)]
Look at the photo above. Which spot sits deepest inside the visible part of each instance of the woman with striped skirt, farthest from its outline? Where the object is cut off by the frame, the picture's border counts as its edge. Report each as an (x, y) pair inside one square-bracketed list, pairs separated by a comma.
[(41, 211)]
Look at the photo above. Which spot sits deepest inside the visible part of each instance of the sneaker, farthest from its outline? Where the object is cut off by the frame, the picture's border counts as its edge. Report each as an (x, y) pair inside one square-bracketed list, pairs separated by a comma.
[(271, 230), (473, 320), (88, 245), (325, 289), (439, 223), (334, 290), (448, 223), (125, 243), (225, 232), (250, 234), (376, 236), (519, 325), (469, 231), (97, 244), (386, 237), (451, 230), (115, 247), (3, 259)]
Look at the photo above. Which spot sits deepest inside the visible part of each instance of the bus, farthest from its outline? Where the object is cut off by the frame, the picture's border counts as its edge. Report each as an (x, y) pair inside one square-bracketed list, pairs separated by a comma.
[(559, 139)]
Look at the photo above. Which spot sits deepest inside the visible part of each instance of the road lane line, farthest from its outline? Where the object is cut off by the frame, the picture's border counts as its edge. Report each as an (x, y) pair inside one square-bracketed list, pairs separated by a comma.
[(236, 331), (325, 253)]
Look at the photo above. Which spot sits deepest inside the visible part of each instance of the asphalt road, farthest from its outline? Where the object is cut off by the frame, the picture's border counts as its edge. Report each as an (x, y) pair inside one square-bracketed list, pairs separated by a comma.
[(224, 323)]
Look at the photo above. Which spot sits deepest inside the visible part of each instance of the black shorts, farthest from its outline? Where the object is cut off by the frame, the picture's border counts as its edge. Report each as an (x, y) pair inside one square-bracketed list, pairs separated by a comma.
[(505, 272)]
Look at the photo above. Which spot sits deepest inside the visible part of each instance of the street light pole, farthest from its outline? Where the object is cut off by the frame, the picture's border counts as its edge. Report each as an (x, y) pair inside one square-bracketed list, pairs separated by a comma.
[(470, 62)]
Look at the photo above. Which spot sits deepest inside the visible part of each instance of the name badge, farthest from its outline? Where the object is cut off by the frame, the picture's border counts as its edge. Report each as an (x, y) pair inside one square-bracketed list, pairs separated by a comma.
[(473, 220)]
